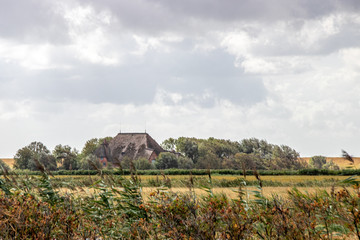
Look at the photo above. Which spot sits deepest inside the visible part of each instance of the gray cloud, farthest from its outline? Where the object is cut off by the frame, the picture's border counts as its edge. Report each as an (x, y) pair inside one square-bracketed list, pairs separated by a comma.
[(32, 21), (179, 72), (162, 13), (74, 70)]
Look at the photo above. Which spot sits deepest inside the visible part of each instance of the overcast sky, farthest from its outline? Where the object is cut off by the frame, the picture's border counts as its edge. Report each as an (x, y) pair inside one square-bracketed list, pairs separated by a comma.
[(284, 71)]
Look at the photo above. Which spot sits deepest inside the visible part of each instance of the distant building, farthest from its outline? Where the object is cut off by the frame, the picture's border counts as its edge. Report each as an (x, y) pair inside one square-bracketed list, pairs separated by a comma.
[(131, 145)]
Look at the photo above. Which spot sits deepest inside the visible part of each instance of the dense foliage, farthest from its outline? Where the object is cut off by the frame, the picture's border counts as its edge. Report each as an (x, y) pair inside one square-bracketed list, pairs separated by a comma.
[(223, 154), (319, 162), (183, 153), (28, 156), (117, 210)]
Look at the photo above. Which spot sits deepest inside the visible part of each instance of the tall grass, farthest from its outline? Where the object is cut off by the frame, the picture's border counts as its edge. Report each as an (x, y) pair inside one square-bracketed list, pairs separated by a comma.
[(33, 208), (195, 172)]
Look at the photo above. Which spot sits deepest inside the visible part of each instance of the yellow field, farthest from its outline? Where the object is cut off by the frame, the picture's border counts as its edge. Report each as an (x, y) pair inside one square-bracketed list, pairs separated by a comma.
[(231, 193), (8, 161), (341, 162), (282, 179)]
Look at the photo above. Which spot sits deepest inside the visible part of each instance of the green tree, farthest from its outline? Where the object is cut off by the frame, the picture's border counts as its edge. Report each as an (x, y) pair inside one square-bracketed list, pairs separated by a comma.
[(90, 162), (92, 144), (126, 162), (67, 156), (185, 163), (256, 146), (87, 153), (331, 166), (143, 164), (207, 158), (250, 161), (285, 157), (223, 148), (317, 161), (166, 160), (26, 157), (188, 147), (169, 144)]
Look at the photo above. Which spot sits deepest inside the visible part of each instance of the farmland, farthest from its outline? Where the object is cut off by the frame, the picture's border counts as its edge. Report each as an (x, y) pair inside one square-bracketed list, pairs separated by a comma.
[(226, 184)]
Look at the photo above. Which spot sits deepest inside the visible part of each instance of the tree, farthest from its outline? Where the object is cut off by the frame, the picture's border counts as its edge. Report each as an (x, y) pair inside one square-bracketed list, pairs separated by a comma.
[(331, 166), (169, 144), (166, 160), (142, 164), (249, 161), (185, 163), (320, 162), (207, 158), (27, 157), (66, 156), (285, 157), (188, 147), (256, 146), (317, 162), (92, 144), (87, 153)]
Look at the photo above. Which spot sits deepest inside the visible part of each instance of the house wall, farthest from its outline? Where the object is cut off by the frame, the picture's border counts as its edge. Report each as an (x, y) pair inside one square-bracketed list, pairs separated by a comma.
[(103, 161), (152, 157)]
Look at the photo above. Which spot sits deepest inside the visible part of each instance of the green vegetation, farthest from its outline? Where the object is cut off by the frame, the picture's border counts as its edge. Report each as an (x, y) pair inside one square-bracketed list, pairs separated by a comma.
[(308, 172), (222, 154), (319, 162), (36, 152), (33, 208), (184, 153)]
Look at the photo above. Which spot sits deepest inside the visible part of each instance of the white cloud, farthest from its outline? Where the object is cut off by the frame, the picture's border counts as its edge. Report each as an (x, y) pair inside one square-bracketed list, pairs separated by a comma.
[(288, 73), (35, 57), (89, 32)]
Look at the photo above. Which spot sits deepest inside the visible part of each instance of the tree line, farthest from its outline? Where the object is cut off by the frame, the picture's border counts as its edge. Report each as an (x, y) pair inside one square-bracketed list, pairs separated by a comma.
[(182, 153)]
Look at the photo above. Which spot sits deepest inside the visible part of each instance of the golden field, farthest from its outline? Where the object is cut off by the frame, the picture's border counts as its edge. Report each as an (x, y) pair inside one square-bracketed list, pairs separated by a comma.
[(9, 161), (341, 162), (231, 193)]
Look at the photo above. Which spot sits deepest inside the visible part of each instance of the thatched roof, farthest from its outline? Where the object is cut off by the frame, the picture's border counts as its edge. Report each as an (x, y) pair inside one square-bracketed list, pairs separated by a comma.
[(132, 145)]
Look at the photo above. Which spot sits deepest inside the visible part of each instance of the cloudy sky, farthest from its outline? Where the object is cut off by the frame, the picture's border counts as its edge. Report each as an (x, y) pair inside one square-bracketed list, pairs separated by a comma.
[(284, 71)]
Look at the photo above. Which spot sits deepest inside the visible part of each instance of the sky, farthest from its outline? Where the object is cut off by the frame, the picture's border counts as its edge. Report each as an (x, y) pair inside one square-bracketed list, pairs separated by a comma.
[(284, 71)]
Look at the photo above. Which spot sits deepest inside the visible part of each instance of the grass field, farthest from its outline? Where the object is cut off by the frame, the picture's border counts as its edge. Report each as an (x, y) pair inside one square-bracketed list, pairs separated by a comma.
[(227, 185), (231, 193)]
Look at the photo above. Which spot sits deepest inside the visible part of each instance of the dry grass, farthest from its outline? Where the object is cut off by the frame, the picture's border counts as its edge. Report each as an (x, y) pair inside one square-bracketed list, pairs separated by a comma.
[(9, 161), (231, 193), (340, 161)]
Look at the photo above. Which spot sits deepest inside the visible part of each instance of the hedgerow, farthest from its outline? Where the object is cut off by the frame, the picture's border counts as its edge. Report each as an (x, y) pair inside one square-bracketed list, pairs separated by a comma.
[(310, 172)]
